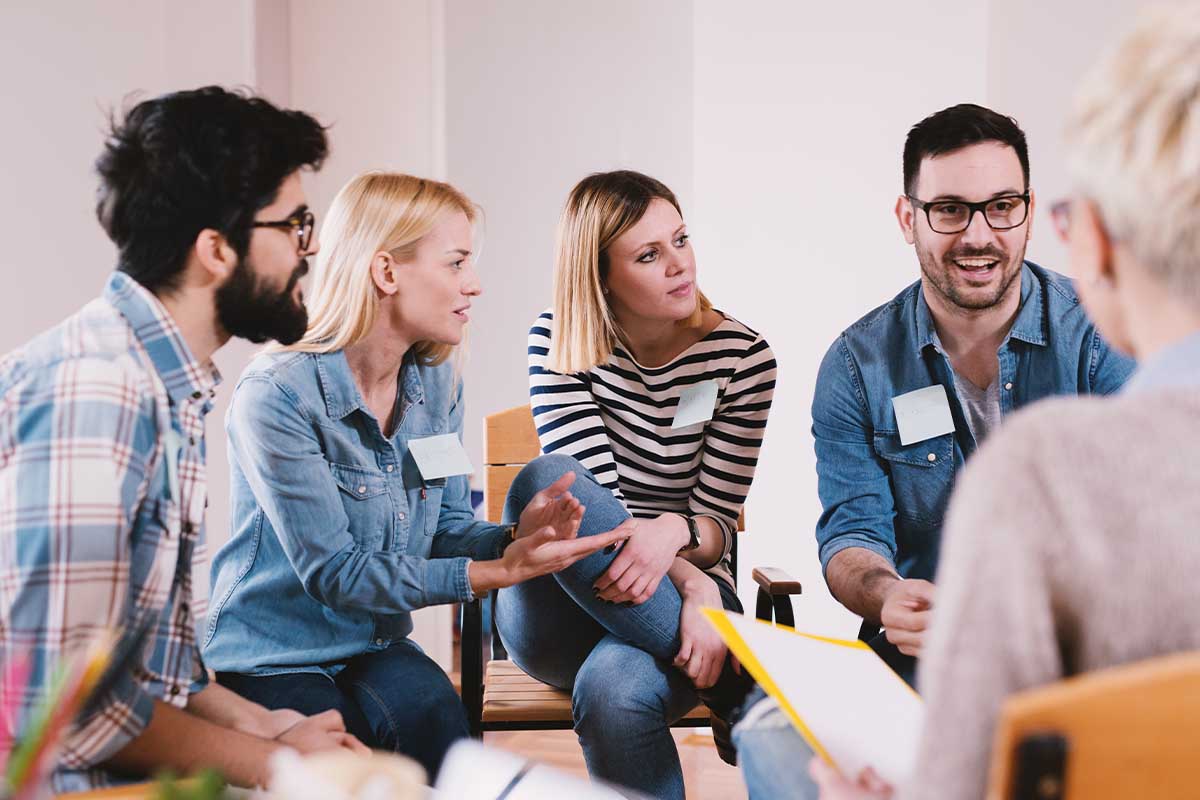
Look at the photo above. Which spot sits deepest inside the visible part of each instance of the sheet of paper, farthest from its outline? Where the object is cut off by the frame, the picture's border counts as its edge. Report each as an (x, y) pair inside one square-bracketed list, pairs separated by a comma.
[(472, 771), (853, 710), (696, 404), (923, 414), (440, 456)]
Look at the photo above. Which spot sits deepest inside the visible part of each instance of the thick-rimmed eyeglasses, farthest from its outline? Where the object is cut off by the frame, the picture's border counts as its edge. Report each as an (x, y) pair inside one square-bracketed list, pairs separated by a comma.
[(303, 224), (954, 216)]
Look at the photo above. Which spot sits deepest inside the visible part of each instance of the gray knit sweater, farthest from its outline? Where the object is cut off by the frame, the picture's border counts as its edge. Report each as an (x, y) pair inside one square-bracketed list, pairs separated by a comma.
[(1072, 544)]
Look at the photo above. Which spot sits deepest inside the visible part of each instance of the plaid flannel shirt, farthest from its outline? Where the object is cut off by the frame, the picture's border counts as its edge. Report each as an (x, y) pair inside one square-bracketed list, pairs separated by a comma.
[(102, 498)]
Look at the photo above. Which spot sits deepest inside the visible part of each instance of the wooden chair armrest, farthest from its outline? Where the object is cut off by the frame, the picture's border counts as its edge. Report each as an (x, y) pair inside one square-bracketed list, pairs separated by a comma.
[(775, 581)]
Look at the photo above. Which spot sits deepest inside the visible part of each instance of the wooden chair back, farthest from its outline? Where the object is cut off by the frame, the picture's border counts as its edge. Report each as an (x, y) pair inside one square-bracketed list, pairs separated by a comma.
[(1125, 732)]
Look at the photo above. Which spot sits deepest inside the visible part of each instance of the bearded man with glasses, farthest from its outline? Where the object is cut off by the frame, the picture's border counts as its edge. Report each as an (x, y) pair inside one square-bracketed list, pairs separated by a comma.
[(906, 395)]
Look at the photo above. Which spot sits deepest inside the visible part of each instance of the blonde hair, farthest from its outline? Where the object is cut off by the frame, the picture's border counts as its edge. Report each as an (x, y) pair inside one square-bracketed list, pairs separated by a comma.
[(599, 209), (1134, 141), (375, 212)]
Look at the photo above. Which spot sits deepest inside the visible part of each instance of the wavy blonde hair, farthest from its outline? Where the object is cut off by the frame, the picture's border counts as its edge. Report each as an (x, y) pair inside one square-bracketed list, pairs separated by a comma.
[(1133, 138), (375, 212), (599, 209)]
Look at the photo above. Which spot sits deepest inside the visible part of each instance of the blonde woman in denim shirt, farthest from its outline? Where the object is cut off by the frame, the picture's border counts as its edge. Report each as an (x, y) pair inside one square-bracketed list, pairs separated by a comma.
[(337, 536)]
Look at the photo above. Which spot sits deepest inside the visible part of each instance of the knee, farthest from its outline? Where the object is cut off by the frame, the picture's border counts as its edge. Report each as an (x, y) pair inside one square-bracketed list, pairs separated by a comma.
[(611, 698), (545, 470)]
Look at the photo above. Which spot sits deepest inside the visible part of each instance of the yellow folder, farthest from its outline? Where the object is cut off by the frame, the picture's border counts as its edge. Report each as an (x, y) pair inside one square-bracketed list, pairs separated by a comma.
[(850, 707)]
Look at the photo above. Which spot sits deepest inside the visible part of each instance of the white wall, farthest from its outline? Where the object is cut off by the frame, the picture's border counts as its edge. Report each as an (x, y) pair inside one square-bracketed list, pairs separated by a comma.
[(538, 95)]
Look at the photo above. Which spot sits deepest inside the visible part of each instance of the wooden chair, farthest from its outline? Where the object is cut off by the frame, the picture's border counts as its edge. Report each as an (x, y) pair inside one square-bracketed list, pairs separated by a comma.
[(1127, 732), (500, 696)]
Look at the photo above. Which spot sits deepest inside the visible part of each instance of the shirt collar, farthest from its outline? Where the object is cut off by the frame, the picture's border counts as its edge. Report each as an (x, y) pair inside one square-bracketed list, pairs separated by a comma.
[(1029, 326), (341, 392), (1175, 366), (185, 378)]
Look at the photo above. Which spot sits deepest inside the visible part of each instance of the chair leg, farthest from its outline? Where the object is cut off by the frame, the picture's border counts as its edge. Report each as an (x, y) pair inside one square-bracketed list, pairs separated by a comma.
[(472, 666), (777, 608)]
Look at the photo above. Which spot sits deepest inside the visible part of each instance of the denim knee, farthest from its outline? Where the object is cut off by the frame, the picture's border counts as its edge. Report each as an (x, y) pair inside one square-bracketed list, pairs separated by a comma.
[(611, 699), (543, 471)]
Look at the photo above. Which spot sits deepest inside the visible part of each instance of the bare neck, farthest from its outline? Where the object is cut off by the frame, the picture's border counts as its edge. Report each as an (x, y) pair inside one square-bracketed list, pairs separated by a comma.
[(1155, 318), (375, 363), (654, 343), (971, 337), (194, 311)]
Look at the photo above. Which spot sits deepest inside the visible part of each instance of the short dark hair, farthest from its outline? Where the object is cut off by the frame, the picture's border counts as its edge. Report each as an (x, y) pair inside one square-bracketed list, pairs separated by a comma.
[(186, 161), (955, 128)]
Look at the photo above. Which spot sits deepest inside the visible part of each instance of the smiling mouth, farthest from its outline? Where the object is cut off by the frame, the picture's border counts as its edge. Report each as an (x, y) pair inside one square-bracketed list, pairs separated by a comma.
[(980, 267)]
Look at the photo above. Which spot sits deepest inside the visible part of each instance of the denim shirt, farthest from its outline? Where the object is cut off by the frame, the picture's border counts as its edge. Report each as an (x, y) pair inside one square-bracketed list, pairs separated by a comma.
[(891, 498), (336, 536)]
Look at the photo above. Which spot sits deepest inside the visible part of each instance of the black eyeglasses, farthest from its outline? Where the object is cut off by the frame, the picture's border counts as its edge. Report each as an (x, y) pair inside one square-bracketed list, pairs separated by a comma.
[(303, 224), (954, 216)]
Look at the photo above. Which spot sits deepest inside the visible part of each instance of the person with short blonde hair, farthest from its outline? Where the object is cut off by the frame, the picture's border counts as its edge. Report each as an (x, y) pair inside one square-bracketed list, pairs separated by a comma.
[(658, 403), (341, 528), (1100, 547)]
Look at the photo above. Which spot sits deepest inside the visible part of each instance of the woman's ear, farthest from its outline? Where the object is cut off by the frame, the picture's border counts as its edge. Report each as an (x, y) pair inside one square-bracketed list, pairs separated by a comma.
[(1091, 245), (384, 271)]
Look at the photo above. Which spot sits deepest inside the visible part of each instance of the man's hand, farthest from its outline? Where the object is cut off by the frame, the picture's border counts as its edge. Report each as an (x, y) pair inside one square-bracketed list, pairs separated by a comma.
[(635, 573), (905, 616), (553, 508), (833, 786), (324, 731), (702, 651)]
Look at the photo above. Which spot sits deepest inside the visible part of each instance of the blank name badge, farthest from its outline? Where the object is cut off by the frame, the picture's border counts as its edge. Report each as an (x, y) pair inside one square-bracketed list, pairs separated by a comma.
[(440, 456), (923, 414), (696, 404)]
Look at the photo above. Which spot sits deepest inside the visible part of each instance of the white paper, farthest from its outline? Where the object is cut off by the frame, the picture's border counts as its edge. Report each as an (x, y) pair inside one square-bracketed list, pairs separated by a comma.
[(923, 414), (859, 711), (474, 772), (696, 404), (440, 456)]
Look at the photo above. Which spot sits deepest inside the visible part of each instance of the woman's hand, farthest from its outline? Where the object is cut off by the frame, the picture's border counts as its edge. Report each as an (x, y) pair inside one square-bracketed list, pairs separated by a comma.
[(635, 573), (702, 652), (833, 786), (546, 551), (553, 507), (324, 731)]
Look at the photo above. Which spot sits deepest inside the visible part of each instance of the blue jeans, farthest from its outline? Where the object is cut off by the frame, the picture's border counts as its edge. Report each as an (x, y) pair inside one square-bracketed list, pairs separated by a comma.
[(772, 754), (395, 699), (615, 660)]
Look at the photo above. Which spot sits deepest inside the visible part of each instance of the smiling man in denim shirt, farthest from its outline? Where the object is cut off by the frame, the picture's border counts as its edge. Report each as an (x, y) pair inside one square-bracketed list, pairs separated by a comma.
[(905, 395)]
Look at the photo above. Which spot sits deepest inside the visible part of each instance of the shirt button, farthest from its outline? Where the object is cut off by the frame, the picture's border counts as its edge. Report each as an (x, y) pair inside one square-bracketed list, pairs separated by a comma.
[(400, 516), (174, 691), (932, 456), (362, 490), (1008, 386), (390, 467), (196, 395), (379, 641)]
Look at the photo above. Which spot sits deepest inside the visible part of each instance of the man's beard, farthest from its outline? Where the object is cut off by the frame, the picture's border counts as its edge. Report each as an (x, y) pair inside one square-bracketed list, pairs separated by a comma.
[(247, 309), (940, 274)]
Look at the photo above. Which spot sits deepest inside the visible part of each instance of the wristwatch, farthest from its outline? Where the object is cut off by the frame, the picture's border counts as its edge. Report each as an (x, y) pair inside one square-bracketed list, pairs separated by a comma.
[(510, 536), (693, 534)]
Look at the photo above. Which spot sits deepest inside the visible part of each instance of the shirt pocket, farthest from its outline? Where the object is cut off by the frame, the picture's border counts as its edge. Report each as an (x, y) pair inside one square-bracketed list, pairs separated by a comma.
[(431, 503), (367, 504), (921, 475), (156, 556)]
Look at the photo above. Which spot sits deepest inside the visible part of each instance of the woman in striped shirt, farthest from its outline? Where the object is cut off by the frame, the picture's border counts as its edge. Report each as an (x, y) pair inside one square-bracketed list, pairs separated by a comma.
[(658, 402)]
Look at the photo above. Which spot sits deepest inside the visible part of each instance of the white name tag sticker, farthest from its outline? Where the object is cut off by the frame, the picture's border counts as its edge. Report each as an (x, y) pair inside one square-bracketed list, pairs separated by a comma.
[(440, 456), (923, 414), (696, 404)]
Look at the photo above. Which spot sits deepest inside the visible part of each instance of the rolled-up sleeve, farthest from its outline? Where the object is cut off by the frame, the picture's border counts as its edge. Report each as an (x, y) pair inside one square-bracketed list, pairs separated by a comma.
[(852, 482), (276, 448)]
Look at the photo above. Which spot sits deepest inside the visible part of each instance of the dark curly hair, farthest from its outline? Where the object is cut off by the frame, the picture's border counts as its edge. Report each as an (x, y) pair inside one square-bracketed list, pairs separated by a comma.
[(187, 161), (957, 127)]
